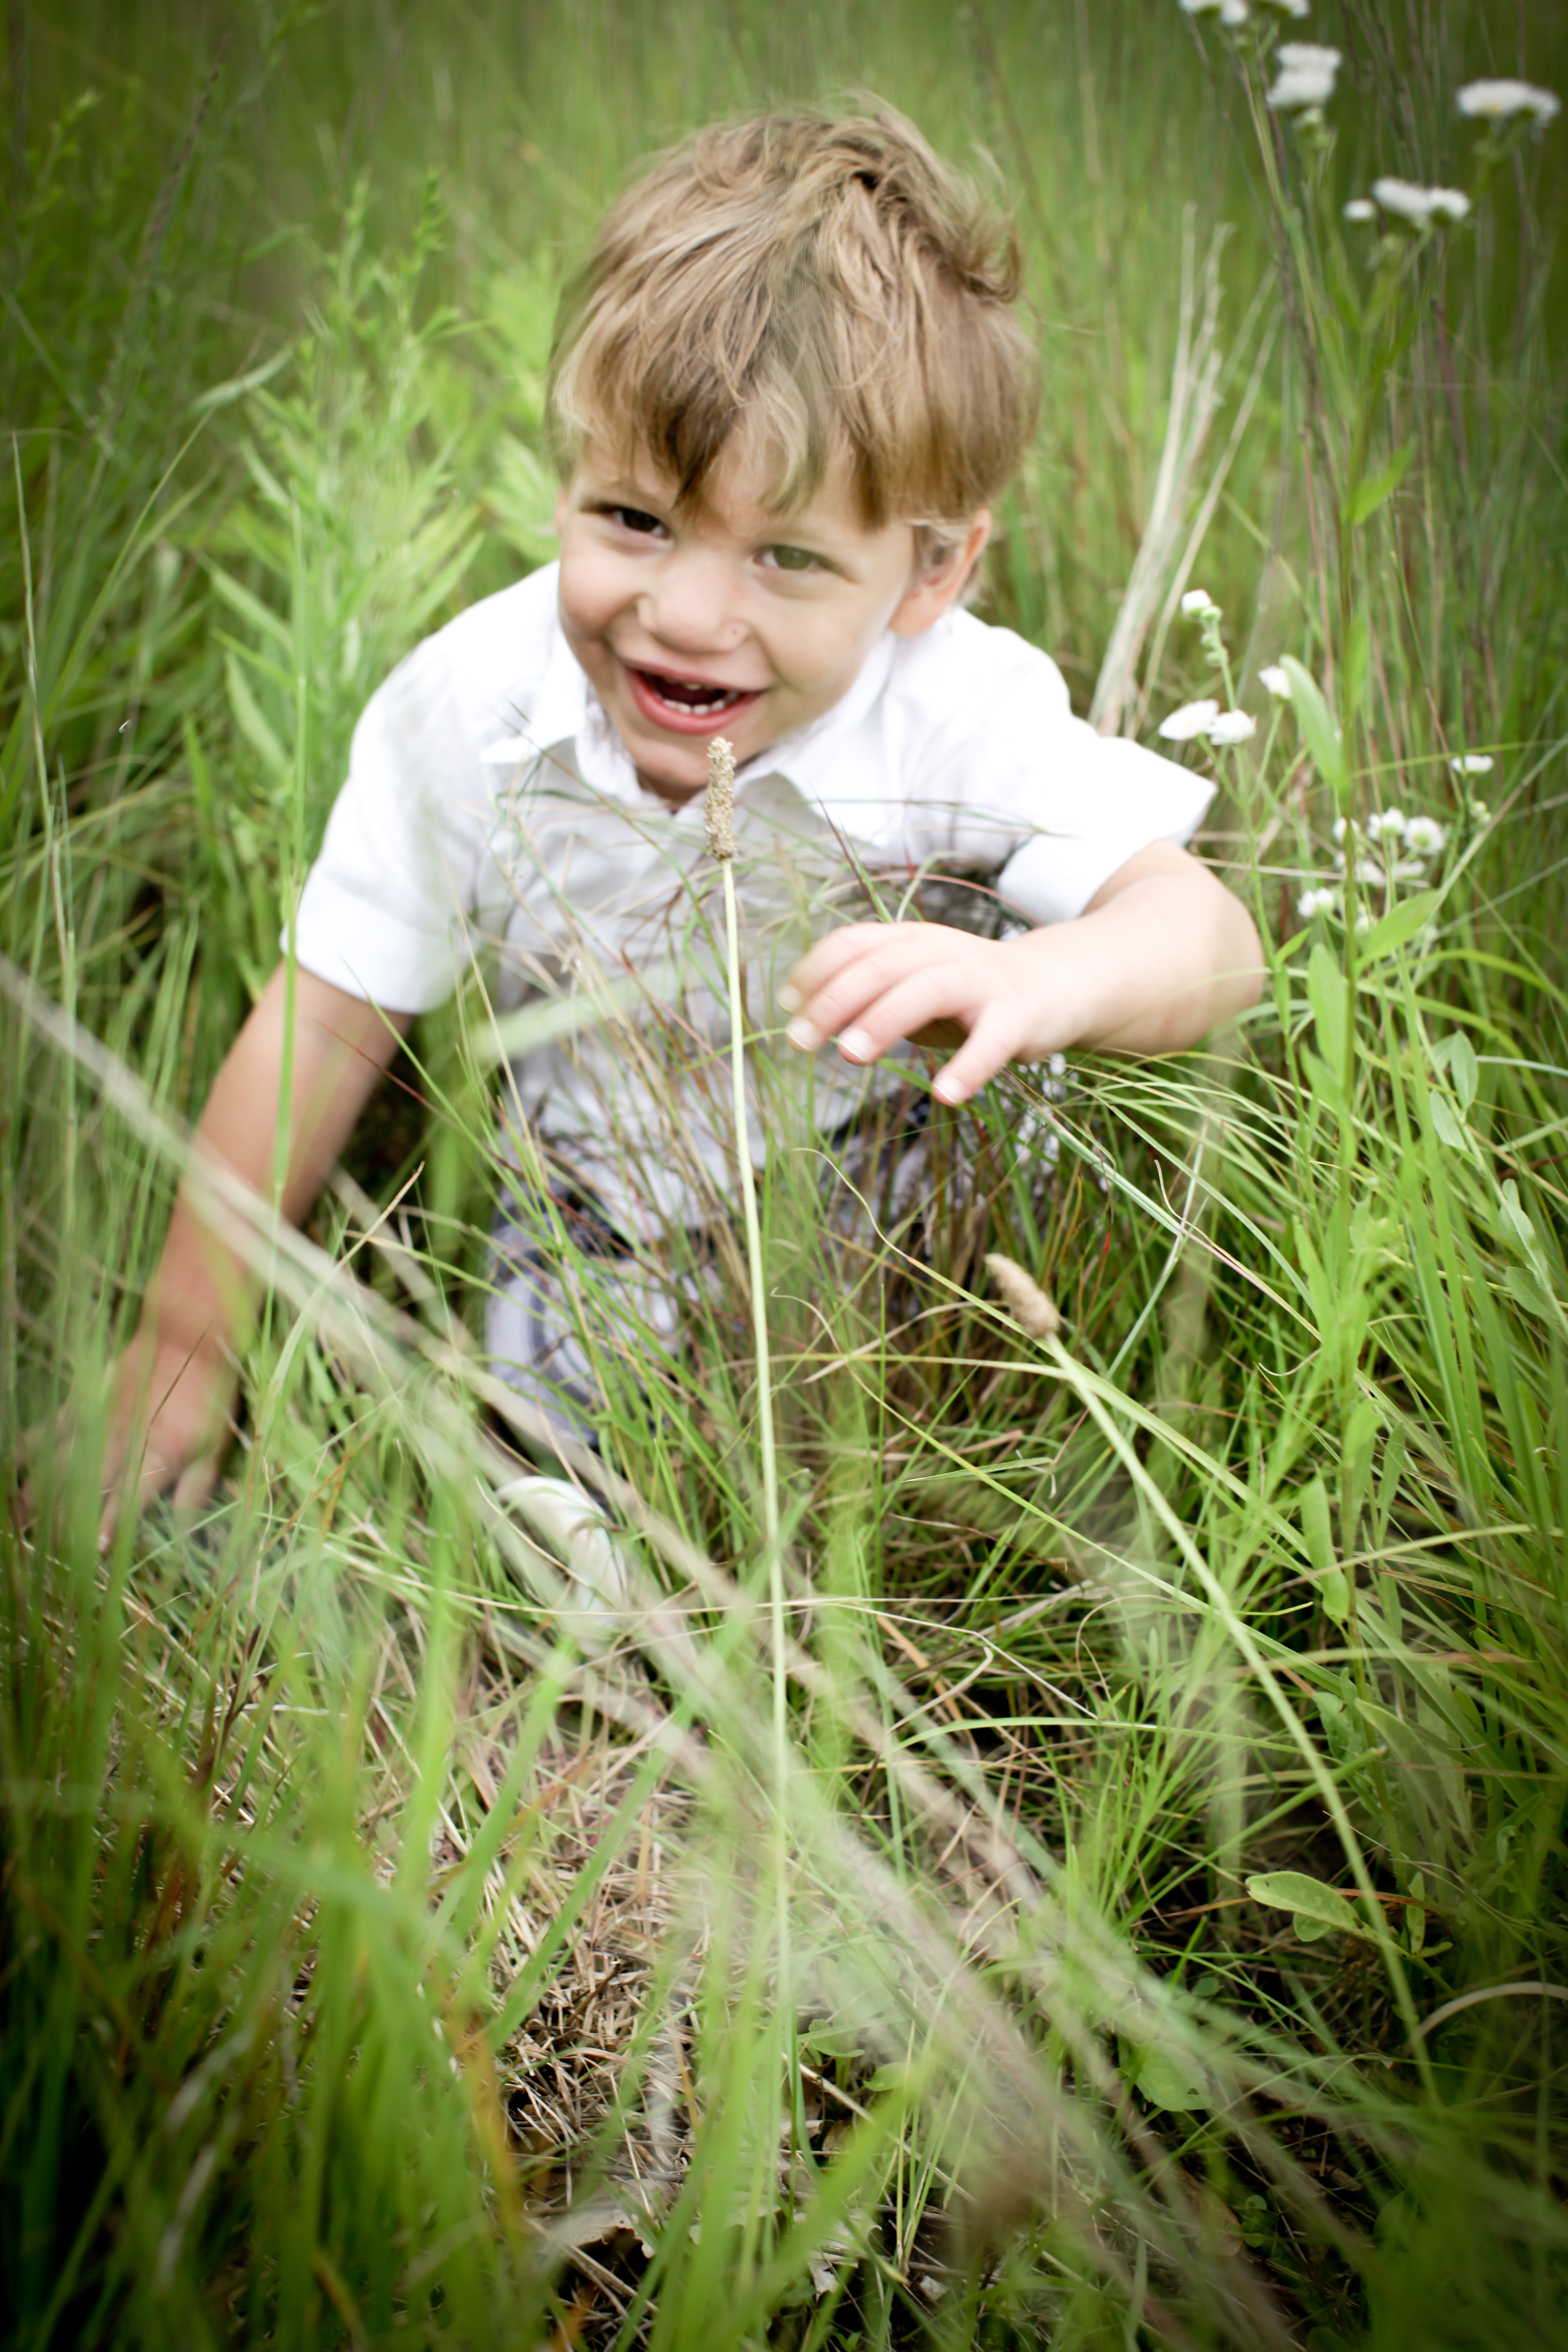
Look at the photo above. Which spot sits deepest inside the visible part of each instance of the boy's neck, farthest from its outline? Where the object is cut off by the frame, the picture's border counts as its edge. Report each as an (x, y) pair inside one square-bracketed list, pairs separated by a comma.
[(674, 795)]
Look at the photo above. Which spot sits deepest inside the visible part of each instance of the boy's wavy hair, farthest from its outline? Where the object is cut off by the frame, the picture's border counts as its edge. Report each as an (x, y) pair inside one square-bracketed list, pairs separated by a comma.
[(827, 280)]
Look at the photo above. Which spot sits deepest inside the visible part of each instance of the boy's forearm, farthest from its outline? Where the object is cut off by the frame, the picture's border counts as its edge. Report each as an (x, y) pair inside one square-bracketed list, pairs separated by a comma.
[(201, 1292), (1151, 970)]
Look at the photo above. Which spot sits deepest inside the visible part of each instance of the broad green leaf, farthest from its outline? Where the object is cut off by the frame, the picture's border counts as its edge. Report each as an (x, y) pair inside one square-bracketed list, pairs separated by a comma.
[(1318, 1910), (1462, 1068), (1515, 1221), (1445, 1127), (1371, 492), (1400, 923), (1165, 2075), (1329, 999), (1523, 1286), (1319, 1541), (1319, 731), (1315, 1526)]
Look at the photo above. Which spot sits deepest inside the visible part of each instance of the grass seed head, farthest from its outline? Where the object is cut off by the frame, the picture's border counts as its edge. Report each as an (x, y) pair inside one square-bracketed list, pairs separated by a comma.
[(719, 804), (1026, 1303)]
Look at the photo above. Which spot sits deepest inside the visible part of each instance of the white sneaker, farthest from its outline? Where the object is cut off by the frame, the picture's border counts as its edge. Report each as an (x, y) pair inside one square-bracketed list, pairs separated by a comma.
[(599, 1566)]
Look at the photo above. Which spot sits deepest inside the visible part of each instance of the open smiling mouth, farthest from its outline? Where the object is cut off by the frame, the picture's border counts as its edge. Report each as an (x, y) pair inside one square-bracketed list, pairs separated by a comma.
[(693, 705)]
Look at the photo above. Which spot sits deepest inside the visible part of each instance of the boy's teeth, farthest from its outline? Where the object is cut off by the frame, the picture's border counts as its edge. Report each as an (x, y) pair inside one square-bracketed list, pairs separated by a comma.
[(693, 694)]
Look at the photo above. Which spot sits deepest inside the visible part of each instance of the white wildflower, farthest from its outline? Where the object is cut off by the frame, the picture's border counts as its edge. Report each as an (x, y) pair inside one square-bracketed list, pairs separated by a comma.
[(1499, 101), (1321, 899), (1341, 825), (1424, 836), (1481, 813), (1364, 918), (1275, 681), (1196, 602), (1233, 13), (1419, 207), (1473, 763), (1200, 7), (1233, 727), (1290, 8), (1361, 208), (1191, 719), (1307, 71), (1385, 824)]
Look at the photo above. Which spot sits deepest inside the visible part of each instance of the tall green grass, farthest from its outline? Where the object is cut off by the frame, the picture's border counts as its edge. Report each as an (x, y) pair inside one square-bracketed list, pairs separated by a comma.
[(1169, 1940)]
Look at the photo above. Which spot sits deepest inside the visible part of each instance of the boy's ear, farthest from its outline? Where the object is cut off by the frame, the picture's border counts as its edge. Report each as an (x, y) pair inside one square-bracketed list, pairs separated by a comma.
[(936, 589)]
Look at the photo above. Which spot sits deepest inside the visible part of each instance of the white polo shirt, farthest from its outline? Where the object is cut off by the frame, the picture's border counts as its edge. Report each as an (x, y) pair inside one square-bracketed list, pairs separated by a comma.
[(490, 804)]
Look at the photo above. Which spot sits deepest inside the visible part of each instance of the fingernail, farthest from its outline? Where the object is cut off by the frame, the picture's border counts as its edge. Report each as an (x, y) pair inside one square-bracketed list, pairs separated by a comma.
[(947, 1090), (855, 1045), (801, 1033), (789, 999)]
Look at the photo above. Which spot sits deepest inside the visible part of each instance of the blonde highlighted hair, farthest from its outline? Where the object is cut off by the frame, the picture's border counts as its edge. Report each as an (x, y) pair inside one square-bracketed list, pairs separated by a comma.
[(828, 281)]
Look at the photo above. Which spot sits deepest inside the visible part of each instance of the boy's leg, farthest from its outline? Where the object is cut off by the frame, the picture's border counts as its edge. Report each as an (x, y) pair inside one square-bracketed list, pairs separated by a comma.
[(535, 1322)]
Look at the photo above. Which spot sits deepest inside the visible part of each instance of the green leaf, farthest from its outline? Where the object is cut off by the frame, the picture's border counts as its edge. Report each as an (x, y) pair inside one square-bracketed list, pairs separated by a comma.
[(1515, 1222), (247, 718), (1523, 1287), (1371, 492), (1329, 999), (1445, 1127), (1319, 731), (1400, 923), (1318, 1909), (1462, 1068), (1164, 2075), (1319, 1536), (1315, 1527)]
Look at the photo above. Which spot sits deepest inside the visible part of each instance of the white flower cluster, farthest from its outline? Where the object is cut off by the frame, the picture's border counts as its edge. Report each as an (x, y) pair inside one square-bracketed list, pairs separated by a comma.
[(1207, 717), (1418, 208), (1500, 101), (1229, 12), (1405, 845), (1473, 763), (1275, 681), (1306, 76)]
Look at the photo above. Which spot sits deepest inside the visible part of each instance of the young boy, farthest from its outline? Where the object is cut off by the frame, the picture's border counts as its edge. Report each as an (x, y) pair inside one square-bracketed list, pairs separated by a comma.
[(785, 392)]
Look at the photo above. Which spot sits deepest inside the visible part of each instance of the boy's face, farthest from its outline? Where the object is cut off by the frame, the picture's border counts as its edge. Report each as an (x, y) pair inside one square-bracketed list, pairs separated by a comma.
[(727, 619)]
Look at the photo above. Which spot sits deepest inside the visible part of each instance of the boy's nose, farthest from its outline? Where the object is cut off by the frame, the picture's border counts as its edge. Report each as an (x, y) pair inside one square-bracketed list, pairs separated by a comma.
[(691, 603)]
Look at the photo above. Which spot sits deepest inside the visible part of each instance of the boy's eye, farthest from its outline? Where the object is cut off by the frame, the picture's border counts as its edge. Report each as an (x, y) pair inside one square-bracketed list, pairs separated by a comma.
[(791, 559), (634, 518)]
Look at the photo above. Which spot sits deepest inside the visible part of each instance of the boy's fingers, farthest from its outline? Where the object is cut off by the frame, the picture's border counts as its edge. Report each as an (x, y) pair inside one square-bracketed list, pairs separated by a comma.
[(869, 986), (828, 957), (883, 1014), (195, 1483), (989, 1048)]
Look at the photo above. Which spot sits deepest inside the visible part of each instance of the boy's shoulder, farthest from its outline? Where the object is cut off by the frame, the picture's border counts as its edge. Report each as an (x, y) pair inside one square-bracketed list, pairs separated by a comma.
[(492, 651), (972, 674)]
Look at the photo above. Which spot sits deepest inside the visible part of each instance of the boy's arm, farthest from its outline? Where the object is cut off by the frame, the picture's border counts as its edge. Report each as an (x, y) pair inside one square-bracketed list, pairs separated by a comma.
[(1162, 953), (172, 1390)]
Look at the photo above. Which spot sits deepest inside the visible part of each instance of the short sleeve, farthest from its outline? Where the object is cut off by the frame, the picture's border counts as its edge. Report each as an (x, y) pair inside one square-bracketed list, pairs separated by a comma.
[(990, 770), (1103, 799), (379, 913)]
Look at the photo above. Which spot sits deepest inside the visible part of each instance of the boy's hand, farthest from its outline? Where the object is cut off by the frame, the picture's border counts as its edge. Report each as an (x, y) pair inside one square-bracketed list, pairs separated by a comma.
[(169, 1407), (871, 983), (167, 1420), (171, 1393), (1161, 954)]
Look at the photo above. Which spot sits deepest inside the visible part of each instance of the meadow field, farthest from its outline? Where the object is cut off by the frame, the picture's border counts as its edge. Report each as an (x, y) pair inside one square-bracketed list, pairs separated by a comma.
[(1072, 1855)]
